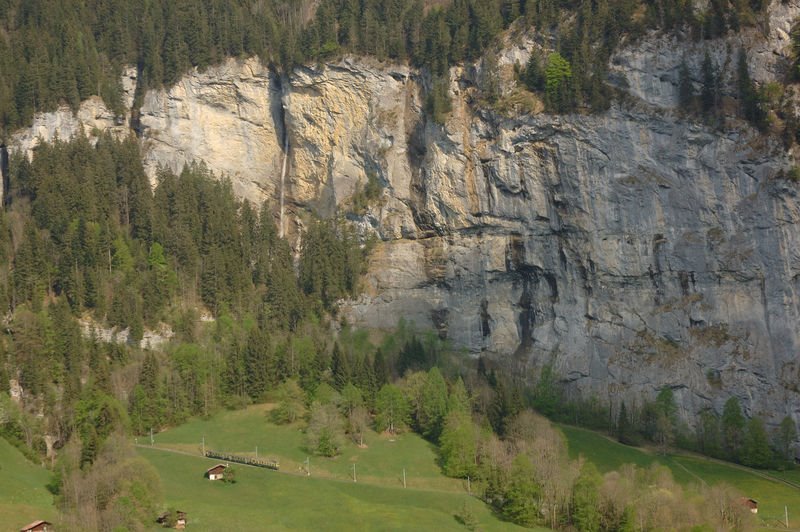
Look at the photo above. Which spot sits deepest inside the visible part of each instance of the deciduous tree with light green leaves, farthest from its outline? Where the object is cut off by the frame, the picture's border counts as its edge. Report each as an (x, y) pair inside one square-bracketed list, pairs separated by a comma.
[(457, 445), (558, 84), (291, 403), (391, 409)]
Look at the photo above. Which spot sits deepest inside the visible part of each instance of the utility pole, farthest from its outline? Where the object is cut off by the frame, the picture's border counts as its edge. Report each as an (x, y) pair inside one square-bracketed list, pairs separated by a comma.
[(404, 477), (786, 515)]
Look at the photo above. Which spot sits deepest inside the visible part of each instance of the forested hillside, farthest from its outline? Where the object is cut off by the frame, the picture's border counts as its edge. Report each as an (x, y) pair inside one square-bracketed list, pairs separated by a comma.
[(85, 235)]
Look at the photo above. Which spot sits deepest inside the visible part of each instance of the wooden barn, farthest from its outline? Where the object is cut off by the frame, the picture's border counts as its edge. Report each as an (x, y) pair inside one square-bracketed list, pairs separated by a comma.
[(37, 526), (216, 473), (750, 504)]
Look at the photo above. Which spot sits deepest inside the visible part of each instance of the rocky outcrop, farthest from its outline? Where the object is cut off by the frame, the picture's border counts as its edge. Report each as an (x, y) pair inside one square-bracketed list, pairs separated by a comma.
[(151, 338), (632, 250), (648, 68), (92, 118)]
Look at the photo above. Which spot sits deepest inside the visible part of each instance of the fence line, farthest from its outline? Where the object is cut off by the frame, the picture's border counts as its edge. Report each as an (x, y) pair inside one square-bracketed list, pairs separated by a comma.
[(268, 464)]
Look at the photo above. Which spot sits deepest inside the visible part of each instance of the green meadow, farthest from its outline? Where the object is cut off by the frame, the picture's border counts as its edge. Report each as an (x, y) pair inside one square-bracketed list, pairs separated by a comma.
[(328, 499), (267, 500), (771, 494), (380, 461), (23, 495)]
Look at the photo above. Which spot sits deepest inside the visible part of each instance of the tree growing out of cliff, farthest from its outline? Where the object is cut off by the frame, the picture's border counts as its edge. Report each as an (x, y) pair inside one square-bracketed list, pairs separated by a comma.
[(533, 74), (686, 94), (709, 95), (749, 100), (558, 84), (438, 104)]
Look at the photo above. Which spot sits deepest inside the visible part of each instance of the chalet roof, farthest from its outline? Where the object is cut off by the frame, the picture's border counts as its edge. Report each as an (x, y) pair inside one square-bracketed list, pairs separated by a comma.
[(215, 468), (34, 525)]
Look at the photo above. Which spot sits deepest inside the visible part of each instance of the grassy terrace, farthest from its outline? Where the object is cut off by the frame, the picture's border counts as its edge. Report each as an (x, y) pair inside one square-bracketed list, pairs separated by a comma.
[(23, 496), (290, 500), (771, 494), (380, 462)]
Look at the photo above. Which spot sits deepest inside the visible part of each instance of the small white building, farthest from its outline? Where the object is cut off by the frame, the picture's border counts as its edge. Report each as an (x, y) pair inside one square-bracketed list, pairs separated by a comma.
[(216, 473)]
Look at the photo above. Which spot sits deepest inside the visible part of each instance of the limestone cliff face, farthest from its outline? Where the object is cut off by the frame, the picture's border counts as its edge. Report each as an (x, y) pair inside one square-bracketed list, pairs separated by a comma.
[(633, 250), (228, 116)]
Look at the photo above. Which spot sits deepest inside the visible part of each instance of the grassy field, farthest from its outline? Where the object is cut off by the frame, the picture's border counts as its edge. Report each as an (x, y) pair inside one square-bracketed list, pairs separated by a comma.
[(328, 499), (23, 496), (266, 500), (380, 462), (771, 495)]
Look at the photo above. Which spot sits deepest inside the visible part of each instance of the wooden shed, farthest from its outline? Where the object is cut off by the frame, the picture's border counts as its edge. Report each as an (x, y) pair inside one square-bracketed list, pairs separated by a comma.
[(750, 504), (216, 473), (37, 526)]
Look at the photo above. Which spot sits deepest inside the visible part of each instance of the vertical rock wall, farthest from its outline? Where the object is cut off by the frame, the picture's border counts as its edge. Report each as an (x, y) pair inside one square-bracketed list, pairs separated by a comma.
[(633, 250)]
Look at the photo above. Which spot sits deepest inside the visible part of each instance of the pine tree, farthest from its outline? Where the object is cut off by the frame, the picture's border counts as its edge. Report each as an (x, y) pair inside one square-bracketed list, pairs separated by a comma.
[(749, 102), (787, 432), (340, 367), (686, 92), (733, 428), (433, 405), (756, 451), (709, 94), (624, 429), (256, 355)]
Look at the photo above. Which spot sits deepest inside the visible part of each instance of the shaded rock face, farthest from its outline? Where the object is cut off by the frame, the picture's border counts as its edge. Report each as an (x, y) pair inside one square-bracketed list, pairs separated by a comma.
[(632, 250), (649, 68)]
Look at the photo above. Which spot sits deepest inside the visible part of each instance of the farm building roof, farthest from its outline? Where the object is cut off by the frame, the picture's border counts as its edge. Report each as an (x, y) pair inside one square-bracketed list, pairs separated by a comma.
[(34, 525), (216, 468)]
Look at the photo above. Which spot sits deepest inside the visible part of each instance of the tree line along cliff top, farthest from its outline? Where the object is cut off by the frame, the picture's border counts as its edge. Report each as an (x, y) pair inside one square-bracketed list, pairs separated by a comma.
[(54, 52)]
